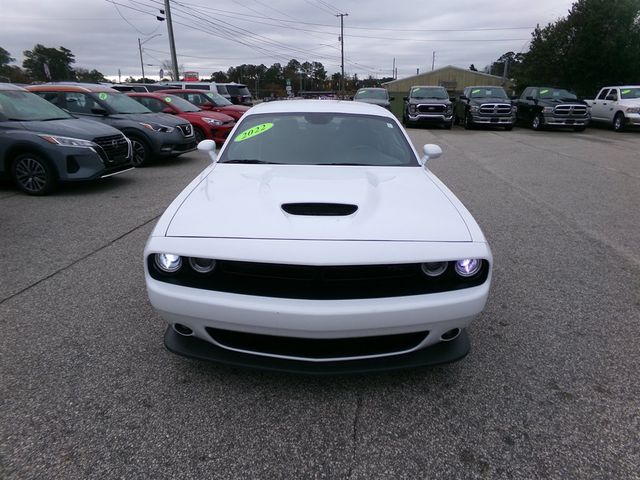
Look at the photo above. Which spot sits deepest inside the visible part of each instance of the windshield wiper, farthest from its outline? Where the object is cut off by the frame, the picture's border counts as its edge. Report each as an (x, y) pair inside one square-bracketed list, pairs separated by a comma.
[(251, 161)]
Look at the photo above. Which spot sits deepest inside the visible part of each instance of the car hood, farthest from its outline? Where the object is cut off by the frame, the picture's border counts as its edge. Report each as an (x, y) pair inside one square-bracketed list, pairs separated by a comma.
[(245, 201), (161, 118), (207, 114), (373, 101), (423, 101), (237, 108), (480, 101), (72, 127)]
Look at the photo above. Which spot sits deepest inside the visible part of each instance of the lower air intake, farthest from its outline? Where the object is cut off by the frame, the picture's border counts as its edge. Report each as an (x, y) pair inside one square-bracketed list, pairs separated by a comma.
[(319, 209)]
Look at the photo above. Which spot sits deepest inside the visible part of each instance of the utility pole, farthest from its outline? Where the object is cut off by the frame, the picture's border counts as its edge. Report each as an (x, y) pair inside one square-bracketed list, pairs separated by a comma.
[(172, 43), (433, 60), (342, 15), (393, 69), (140, 48)]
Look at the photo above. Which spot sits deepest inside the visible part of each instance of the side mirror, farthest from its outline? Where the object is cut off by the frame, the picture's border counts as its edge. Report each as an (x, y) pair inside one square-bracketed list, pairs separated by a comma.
[(530, 98), (391, 99), (206, 106), (463, 97), (168, 110), (99, 111), (431, 151), (611, 98), (209, 146), (406, 99)]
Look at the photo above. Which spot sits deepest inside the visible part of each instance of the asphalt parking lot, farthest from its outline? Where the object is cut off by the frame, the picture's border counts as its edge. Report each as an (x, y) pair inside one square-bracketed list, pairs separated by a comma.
[(550, 389)]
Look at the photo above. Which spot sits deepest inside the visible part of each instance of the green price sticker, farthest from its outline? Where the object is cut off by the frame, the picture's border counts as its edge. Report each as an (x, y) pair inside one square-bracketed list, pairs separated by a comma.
[(475, 91), (103, 96), (167, 99), (624, 92), (542, 92), (253, 131)]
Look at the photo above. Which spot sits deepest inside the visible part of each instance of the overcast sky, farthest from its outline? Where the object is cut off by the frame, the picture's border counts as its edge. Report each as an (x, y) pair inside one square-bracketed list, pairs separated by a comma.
[(213, 36)]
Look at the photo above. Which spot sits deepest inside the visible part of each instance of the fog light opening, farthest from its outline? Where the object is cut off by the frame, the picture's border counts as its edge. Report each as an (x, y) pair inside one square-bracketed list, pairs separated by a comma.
[(450, 335), (182, 330), (434, 269)]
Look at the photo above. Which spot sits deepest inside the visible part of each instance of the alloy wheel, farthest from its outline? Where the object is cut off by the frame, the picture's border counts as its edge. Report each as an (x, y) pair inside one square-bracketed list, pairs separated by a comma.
[(32, 175)]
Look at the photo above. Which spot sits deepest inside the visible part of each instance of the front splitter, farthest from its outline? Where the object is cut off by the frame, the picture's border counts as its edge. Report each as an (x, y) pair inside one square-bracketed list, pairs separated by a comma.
[(440, 353)]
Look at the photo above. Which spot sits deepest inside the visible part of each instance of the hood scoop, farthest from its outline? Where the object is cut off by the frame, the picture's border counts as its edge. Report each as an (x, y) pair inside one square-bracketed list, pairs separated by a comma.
[(320, 209)]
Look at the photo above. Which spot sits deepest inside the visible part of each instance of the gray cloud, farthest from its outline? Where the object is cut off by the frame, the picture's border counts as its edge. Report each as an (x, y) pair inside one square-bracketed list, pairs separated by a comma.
[(276, 31)]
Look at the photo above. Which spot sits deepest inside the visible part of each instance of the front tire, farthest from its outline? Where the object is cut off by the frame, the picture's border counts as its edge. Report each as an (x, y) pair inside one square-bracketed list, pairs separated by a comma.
[(199, 134), (508, 128), (537, 122), (33, 174), (468, 123), (618, 122), (141, 152), (448, 125)]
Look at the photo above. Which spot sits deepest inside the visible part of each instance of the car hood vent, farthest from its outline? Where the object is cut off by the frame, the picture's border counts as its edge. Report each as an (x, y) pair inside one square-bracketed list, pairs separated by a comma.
[(320, 209)]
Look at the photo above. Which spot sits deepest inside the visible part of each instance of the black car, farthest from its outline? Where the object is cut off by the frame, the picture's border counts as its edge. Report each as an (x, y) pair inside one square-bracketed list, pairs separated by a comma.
[(540, 107), (41, 145), (485, 105), (152, 135), (375, 96), (428, 105), (239, 94), (141, 87)]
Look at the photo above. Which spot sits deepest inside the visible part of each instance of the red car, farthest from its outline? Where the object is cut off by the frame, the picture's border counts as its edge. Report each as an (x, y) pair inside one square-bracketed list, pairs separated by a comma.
[(208, 100), (206, 124)]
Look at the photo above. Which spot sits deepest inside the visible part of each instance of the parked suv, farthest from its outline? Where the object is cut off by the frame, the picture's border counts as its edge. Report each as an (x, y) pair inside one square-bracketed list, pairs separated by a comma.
[(41, 145), (208, 100), (206, 125), (541, 107), (239, 94), (428, 105), (212, 86), (375, 96), (140, 87), (482, 105), (152, 135)]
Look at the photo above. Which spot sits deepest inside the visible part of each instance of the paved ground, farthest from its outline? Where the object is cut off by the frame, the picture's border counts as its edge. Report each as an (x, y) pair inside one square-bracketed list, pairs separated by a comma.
[(550, 389)]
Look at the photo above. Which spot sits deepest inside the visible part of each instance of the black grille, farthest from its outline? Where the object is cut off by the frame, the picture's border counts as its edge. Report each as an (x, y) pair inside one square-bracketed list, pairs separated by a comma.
[(113, 149), (495, 109), (319, 282), (570, 110), (186, 129), (319, 209), (317, 348), (432, 108)]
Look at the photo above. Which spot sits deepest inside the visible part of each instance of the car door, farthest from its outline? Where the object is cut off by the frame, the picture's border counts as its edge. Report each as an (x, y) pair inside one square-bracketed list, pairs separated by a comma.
[(598, 109), (82, 105), (525, 105)]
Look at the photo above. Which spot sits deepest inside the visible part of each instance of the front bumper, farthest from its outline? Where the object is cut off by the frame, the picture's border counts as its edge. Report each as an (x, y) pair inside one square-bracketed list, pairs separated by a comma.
[(632, 119), (192, 347), (555, 121), (506, 120), (170, 144), (80, 164), (430, 118)]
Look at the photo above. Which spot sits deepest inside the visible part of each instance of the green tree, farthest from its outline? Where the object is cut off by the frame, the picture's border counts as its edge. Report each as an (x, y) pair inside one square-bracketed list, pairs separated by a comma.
[(93, 76), (56, 61), (597, 44)]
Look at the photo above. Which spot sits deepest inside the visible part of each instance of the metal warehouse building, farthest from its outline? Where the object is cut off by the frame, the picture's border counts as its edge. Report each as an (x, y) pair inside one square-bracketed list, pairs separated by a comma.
[(454, 79)]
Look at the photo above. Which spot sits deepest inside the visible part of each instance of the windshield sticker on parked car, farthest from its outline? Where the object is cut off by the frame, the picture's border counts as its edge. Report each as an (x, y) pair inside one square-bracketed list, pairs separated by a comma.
[(542, 92), (389, 125), (253, 131), (103, 96), (167, 99), (624, 92), (477, 90)]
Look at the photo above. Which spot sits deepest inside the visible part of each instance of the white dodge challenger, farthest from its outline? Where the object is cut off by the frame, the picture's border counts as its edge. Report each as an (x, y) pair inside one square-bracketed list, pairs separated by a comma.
[(318, 241)]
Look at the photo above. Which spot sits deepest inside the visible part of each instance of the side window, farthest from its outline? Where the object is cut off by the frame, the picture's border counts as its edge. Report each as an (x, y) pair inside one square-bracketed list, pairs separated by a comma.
[(603, 94), (526, 93), (194, 98), (152, 104), (77, 102), (613, 95)]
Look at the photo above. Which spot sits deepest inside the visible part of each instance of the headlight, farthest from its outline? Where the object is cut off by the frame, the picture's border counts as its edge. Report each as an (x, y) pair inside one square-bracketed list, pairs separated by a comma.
[(202, 265), (514, 108), (468, 267), (68, 141), (156, 127), (473, 108), (633, 110), (547, 110), (168, 262), (213, 121), (434, 269), (412, 108)]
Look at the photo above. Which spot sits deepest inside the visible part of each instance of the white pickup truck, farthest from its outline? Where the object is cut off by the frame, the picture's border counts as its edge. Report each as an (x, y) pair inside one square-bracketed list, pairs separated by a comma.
[(617, 106)]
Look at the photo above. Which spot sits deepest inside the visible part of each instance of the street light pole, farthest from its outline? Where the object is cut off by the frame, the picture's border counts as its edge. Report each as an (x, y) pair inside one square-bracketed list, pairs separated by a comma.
[(342, 15), (140, 48), (172, 43)]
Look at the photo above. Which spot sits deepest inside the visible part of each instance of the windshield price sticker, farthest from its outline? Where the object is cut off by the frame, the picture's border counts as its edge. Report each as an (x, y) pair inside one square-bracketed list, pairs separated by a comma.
[(253, 131), (167, 99), (103, 96), (624, 92), (475, 91), (542, 92)]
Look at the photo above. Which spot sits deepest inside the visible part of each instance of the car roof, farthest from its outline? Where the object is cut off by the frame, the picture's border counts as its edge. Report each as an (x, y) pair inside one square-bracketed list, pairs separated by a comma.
[(427, 86), (71, 87), (486, 86), (178, 91), (319, 106), (372, 88), (623, 86), (10, 86)]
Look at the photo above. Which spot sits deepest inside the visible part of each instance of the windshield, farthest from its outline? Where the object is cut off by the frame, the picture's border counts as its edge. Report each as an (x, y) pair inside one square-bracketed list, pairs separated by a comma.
[(180, 103), (488, 92), (556, 94), (630, 92), (238, 90), (376, 94), (438, 93), (121, 103), (16, 105), (319, 139), (217, 99)]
